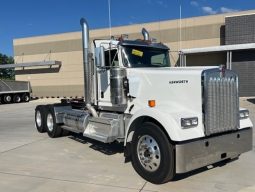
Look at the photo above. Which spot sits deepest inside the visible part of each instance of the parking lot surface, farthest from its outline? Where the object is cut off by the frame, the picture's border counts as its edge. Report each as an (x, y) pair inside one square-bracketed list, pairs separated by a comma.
[(33, 162)]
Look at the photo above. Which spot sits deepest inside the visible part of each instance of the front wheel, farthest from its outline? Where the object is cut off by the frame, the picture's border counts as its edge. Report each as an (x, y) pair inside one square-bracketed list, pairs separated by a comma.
[(153, 154)]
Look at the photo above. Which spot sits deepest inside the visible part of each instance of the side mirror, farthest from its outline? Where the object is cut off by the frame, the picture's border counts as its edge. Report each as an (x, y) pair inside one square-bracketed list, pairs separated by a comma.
[(99, 57)]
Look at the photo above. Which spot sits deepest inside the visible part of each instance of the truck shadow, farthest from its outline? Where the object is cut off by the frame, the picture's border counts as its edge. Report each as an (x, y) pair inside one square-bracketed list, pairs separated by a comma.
[(203, 169), (115, 148), (251, 100), (105, 148)]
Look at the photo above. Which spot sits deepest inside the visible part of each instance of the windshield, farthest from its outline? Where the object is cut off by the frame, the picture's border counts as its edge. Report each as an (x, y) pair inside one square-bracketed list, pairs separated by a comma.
[(137, 56)]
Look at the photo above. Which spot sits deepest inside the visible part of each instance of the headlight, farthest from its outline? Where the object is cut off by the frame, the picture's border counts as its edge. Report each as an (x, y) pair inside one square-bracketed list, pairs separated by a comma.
[(189, 122), (243, 114)]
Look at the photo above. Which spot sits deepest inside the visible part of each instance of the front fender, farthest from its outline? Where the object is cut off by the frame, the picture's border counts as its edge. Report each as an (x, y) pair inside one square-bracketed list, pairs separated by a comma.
[(170, 121)]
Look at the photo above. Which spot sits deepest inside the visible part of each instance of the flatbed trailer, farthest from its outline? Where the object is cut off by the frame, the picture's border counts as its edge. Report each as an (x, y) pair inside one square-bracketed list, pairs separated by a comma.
[(14, 91)]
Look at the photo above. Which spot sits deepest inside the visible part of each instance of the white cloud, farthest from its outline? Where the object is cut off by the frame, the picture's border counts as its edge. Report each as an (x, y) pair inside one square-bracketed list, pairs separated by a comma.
[(227, 10), (194, 3), (149, 2), (162, 4), (209, 10)]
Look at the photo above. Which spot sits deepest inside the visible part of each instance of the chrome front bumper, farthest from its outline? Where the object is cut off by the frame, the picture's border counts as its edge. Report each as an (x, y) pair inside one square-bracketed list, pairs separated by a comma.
[(199, 153)]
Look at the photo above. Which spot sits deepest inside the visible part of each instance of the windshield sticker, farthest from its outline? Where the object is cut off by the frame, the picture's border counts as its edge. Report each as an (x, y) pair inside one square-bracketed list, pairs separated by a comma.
[(137, 52)]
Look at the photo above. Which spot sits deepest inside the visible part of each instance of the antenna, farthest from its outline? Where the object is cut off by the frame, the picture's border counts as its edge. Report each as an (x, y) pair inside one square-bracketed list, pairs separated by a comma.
[(180, 26), (159, 31), (110, 21)]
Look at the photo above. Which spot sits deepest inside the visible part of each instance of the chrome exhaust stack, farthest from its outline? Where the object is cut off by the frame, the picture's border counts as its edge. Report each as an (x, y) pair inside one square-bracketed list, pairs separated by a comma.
[(87, 64), (146, 35)]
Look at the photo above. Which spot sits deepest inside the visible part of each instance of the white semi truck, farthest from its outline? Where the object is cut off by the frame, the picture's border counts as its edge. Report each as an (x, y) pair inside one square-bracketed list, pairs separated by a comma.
[(14, 91), (170, 120)]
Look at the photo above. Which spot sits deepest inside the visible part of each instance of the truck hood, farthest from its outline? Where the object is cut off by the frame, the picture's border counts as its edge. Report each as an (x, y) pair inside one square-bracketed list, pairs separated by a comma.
[(177, 88)]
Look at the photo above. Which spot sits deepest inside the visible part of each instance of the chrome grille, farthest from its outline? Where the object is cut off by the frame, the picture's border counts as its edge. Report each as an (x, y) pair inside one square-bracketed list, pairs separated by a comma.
[(221, 101)]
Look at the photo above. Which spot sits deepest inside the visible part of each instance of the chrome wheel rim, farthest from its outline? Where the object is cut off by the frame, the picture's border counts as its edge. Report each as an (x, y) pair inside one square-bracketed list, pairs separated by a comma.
[(148, 152), (38, 119), (50, 122), (8, 98), (18, 99), (26, 98)]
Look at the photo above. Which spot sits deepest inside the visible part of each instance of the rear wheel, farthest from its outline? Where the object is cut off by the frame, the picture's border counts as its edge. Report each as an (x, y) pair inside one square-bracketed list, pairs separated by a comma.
[(53, 129), (40, 119), (16, 99), (152, 154), (65, 132), (25, 97), (7, 99)]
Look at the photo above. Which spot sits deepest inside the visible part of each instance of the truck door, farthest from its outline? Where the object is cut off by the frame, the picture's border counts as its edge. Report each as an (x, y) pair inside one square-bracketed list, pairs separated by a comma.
[(104, 94)]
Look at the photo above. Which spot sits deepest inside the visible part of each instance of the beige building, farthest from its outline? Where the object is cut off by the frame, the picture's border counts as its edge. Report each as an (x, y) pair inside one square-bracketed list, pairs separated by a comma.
[(67, 80)]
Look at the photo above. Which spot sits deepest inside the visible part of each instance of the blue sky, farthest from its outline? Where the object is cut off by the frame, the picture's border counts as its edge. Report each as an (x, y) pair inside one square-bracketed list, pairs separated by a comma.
[(24, 18)]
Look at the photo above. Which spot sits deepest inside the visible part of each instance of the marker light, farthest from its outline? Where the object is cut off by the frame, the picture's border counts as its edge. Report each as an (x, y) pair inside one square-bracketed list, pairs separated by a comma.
[(152, 103)]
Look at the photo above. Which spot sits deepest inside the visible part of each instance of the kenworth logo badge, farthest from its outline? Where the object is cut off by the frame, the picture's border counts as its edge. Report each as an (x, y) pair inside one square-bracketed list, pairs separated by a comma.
[(178, 81)]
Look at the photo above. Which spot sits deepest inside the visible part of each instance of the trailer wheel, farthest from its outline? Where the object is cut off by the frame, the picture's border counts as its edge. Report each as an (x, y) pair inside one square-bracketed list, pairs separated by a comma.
[(152, 154), (52, 127), (7, 99), (16, 99), (25, 97), (40, 118)]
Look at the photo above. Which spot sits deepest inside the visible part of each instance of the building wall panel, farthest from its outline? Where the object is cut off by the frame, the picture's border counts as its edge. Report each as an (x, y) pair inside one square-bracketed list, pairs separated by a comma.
[(67, 48)]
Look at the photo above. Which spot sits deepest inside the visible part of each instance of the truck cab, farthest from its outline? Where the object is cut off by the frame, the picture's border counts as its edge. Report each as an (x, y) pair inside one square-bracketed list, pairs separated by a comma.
[(169, 119), (126, 55)]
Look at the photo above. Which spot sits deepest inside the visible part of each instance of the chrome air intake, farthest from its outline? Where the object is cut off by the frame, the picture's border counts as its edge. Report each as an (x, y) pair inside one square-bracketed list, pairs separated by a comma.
[(221, 101)]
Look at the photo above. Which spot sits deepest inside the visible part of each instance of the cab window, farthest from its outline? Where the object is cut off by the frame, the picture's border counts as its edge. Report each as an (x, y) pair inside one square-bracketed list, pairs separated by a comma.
[(111, 58)]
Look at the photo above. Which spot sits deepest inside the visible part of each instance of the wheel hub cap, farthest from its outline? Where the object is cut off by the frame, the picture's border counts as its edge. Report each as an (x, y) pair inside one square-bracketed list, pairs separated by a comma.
[(18, 99), (38, 119), (8, 98), (148, 153), (26, 98), (50, 122)]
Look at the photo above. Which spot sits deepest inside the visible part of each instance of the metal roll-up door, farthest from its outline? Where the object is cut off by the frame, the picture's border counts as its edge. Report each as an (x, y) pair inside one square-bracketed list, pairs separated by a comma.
[(246, 73)]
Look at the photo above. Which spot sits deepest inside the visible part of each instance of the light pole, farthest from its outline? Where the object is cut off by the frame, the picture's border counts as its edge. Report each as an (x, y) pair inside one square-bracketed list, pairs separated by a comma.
[(109, 17), (180, 26)]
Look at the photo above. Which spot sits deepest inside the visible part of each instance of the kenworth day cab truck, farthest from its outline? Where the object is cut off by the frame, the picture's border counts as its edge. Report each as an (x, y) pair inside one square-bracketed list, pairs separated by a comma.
[(170, 120), (14, 91)]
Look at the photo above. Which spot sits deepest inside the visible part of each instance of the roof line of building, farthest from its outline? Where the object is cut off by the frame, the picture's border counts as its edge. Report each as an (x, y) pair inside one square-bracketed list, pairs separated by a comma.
[(219, 48)]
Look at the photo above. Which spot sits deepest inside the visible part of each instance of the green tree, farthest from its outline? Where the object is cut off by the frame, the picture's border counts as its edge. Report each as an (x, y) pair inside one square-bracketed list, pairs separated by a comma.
[(6, 73)]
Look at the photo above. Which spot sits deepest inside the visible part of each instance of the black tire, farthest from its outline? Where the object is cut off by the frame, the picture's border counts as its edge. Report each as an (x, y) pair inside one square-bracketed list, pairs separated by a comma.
[(52, 128), (65, 132), (163, 161), (25, 97), (7, 99), (40, 118), (16, 99)]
